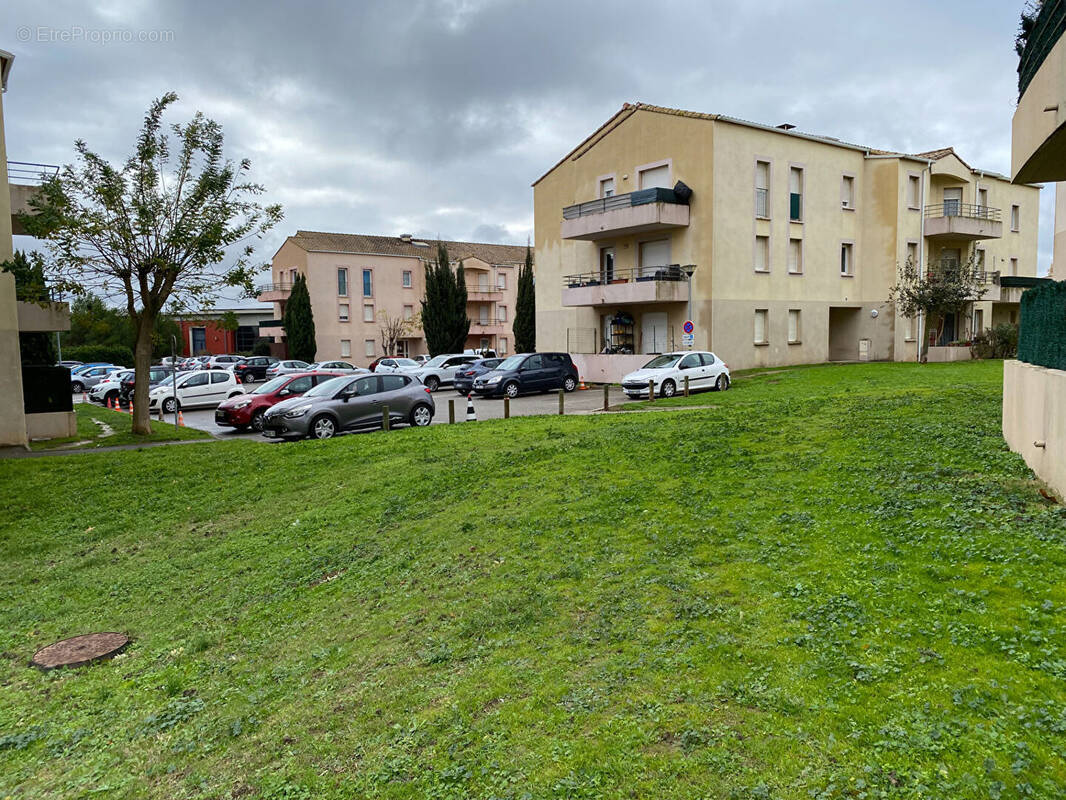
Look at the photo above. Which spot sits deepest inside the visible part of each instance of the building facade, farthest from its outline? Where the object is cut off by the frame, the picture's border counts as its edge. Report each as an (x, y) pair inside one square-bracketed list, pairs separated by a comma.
[(204, 332), (358, 284), (792, 241)]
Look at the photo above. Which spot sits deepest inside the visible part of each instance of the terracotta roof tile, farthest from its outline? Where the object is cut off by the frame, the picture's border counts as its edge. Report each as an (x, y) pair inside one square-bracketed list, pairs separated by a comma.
[(321, 241)]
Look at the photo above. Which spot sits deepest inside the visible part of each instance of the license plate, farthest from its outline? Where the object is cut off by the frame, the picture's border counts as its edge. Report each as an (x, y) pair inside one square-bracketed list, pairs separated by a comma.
[(270, 434), (220, 416)]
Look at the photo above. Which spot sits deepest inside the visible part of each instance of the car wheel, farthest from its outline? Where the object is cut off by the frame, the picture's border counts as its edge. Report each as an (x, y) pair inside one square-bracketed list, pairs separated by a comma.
[(511, 389), (323, 427), (722, 383), (257, 420), (77, 387), (432, 382), (247, 379), (668, 389), (569, 384), (421, 415), (169, 405)]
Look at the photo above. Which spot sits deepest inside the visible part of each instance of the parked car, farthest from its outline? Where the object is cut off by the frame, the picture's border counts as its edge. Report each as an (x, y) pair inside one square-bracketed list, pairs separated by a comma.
[(82, 367), (394, 365), (109, 389), (340, 367), (287, 367), (704, 370), (421, 359), (223, 362), (88, 378), (156, 374), (69, 364), (167, 361), (201, 389), (464, 377), (528, 372), (247, 410), (440, 370), (481, 353), (253, 368), (350, 402)]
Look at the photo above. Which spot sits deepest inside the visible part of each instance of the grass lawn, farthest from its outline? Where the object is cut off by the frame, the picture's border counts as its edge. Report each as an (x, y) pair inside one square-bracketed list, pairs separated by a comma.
[(90, 435), (837, 584)]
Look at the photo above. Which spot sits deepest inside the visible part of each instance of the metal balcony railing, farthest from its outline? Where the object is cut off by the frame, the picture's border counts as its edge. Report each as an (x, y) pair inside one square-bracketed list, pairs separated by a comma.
[(667, 272), (484, 323), (483, 289), (952, 269), (280, 286), (28, 172), (956, 208), (604, 204), (1047, 30)]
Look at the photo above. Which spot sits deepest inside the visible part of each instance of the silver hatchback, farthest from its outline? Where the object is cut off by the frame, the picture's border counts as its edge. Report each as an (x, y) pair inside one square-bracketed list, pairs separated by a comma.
[(348, 403)]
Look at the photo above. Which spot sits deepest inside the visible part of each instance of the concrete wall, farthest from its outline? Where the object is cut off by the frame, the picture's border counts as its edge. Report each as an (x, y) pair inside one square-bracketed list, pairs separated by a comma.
[(5, 194), (607, 369), (51, 425), (1038, 133), (1034, 413), (12, 415), (47, 318)]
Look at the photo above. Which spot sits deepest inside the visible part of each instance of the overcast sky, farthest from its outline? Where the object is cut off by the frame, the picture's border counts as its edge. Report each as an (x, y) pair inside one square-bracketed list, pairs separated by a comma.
[(435, 117)]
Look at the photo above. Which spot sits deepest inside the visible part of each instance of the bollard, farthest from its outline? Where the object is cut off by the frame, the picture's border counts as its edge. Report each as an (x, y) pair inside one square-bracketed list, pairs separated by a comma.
[(686, 386), (561, 395), (451, 412), (385, 419), (506, 407), (651, 391), (606, 396)]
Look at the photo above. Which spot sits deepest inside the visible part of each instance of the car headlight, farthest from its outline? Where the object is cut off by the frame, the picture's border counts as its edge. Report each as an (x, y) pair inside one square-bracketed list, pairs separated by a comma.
[(494, 379), (242, 404), (299, 411)]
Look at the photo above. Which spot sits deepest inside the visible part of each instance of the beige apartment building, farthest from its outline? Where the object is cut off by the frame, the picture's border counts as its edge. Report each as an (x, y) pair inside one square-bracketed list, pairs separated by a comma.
[(356, 280), (792, 242)]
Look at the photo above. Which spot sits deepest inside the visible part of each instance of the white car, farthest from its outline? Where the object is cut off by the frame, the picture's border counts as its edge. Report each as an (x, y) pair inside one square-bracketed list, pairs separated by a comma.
[(340, 367), (107, 390), (396, 365), (287, 367), (440, 370), (223, 362), (205, 388), (704, 370)]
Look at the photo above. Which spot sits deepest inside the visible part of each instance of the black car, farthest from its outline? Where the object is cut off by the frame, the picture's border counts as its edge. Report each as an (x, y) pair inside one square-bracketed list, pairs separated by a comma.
[(253, 368), (528, 372), (155, 375), (464, 377)]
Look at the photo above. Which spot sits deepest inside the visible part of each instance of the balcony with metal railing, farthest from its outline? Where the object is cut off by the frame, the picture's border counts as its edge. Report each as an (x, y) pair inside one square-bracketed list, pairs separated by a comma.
[(273, 292), (624, 214), (648, 284), (954, 219), (23, 178)]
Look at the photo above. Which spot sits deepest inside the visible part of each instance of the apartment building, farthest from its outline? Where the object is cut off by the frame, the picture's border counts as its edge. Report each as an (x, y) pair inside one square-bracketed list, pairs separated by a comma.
[(356, 281), (780, 246)]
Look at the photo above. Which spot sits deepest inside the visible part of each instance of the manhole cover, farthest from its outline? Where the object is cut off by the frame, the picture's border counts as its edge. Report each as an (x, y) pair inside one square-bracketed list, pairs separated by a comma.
[(80, 650)]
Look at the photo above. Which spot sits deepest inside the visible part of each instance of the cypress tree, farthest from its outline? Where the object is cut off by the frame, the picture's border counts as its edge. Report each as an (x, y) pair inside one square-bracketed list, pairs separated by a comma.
[(525, 315), (444, 319), (299, 322)]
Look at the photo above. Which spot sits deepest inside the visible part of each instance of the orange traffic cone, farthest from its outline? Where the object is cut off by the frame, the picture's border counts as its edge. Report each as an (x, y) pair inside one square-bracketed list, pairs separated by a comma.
[(583, 385), (131, 407), (471, 414), (181, 419), (110, 407)]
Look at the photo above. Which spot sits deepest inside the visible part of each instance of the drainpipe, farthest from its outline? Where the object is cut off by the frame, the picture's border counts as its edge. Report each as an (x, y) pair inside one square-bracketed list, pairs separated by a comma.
[(921, 259)]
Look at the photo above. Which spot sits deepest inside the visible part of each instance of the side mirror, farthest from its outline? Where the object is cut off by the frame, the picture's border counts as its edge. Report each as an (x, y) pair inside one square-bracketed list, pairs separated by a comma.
[(284, 392)]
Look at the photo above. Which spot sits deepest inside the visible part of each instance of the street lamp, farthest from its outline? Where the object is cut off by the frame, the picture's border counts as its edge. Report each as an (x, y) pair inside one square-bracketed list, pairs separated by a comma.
[(688, 269)]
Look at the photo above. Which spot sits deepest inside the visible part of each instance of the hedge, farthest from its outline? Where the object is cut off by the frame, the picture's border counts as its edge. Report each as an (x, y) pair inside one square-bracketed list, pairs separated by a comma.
[(1042, 337), (118, 354)]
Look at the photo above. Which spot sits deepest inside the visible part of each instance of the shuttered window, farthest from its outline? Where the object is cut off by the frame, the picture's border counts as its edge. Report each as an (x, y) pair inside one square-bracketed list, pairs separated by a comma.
[(762, 253), (761, 315), (795, 194)]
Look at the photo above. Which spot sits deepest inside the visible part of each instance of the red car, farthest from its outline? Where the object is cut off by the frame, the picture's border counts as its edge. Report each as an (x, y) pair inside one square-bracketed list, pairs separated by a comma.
[(246, 410)]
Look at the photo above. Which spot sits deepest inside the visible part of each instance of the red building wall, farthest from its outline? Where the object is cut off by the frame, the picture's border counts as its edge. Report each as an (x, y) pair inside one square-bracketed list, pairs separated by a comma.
[(217, 341)]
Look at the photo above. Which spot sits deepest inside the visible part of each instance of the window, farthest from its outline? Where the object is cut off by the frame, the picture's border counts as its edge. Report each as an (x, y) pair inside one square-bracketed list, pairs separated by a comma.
[(707, 359), (365, 386), (982, 202), (483, 314), (368, 312), (762, 189), (1014, 266), (978, 321), (342, 312), (690, 361), (484, 343), (195, 380), (793, 326), (501, 313), (908, 333), (795, 256), (606, 187), (847, 192), (406, 279), (369, 347), (501, 281), (390, 383), (408, 312), (533, 362), (655, 177), (502, 347), (912, 253), (292, 276), (979, 260), (762, 253), (760, 325), (368, 283), (342, 281), (914, 191), (846, 265), (346, 348), (302, 384), (795, 194), (1015, 214)]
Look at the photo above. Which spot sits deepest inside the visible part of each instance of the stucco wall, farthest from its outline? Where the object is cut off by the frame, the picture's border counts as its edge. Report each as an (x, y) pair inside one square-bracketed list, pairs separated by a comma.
[(1034, 412), (51, 425), (5, 194), (12, 415)]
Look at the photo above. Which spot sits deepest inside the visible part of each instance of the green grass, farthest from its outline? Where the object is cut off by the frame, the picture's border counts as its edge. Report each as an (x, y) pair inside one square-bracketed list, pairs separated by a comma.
[(838, 584), (90, 434)]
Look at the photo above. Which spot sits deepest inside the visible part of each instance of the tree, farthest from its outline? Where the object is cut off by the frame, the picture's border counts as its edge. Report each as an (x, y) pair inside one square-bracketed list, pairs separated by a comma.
[(299, 322), (393, 329), (947, 287), (155, 228), (525, 315), (31, 287), (444, 319)]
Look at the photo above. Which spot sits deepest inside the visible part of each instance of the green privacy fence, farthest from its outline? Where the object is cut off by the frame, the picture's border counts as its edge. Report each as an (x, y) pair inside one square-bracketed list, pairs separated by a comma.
[(1042, 337)]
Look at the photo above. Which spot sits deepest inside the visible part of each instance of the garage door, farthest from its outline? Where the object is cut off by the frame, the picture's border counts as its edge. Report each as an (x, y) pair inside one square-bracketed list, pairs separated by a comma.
[(654, 255), (653, 332)]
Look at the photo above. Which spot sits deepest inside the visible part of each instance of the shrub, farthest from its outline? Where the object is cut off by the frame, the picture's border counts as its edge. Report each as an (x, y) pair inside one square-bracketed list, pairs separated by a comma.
[(1042, 336), (111, 354), (998, 342), (261, 347)]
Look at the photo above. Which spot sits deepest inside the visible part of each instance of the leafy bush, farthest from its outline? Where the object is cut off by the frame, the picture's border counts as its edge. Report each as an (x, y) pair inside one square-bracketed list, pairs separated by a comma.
[(261, 347), (1042, 338), (108, 353), (998, 342)]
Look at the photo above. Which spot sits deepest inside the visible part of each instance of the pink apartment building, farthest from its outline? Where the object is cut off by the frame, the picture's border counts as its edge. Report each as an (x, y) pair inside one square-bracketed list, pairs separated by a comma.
[(355, 280)]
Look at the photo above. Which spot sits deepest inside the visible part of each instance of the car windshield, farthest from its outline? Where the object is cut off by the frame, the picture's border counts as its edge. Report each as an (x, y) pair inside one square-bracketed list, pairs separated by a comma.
[(272, 386), (406, 362), (327, 388), (436, 361), (663, 361), (167, 381), (511, 363)]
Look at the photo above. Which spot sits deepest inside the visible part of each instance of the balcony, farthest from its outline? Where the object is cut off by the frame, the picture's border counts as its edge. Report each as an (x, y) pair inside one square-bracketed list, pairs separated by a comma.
[(272, 328), (489, 325), (273, 292), (1038, 140), (625, 214), (956, 220), (23, 178), (666, 284), (482, 293)]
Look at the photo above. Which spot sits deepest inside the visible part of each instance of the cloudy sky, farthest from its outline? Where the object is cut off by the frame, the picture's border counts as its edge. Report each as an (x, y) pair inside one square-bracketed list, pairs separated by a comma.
[(434, 117)]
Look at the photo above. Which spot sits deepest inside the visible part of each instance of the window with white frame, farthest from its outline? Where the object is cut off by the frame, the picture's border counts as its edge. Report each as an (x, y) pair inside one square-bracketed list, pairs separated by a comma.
[(793, 326), (368, 312), (502, 348), (407, 279), (847, 267), (368, 283), (795, 256), (607, 187), (761, 319), (914, 191), (346, 348), (908, 331), (762, 189), (1015, 218), (501, 281), (1014, 266), (795, 194), (501, 313), (342, 312), (847, 192), (408, 312), (369, 344), (762, 253), (655, 177), (912, 254), (342, 281), (292, 275)]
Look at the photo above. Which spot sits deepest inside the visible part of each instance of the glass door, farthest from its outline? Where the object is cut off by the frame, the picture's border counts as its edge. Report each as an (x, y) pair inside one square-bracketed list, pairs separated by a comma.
[(606, 264)]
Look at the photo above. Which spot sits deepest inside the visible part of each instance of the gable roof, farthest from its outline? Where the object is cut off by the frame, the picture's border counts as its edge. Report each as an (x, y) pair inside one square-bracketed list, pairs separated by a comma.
[(366, 244)]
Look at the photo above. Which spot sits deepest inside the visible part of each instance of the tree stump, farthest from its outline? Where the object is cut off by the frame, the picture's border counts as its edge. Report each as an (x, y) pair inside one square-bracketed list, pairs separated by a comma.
[(80, 650)]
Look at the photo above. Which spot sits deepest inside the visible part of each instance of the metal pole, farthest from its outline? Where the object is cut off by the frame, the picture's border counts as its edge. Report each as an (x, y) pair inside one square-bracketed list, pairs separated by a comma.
[(561, 394), (651, 391), (506, 407), (173, 376), (385, 418), (451, 412)]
